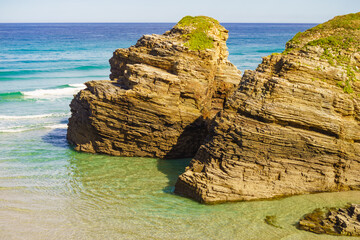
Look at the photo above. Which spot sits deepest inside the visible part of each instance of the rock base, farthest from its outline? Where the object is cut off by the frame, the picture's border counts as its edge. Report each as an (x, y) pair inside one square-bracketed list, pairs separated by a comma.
[(342, 221)]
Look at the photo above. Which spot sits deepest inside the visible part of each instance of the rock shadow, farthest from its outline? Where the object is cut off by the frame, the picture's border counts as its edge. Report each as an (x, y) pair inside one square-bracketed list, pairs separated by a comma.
[(190, 140), (173, 168), (57, 137), (179, 157)]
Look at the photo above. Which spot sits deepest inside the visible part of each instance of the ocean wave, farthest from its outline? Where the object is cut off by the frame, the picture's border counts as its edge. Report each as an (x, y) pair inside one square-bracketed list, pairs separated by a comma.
[(20, 129), (10, 94), (32, 127), (72, 85), (46, 60), (59, 92), (90, 67), (20, 72), (277, 50), (57, 126), (36, 50), (50, 115), (15, 130), (16, 78), (77, 85), (67, 90)]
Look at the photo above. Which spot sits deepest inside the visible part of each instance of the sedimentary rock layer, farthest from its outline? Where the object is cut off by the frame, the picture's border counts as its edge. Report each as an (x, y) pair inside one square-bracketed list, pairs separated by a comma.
[(342, 221), (292, 126), (162, 94)]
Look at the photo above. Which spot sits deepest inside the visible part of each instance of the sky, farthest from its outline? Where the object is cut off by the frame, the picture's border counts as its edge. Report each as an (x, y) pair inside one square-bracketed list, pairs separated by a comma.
[(249, 11)]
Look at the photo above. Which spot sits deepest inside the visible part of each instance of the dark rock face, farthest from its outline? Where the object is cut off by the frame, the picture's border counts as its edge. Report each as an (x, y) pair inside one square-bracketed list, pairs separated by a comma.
[(292, 126), (161, 96), (342, 221)]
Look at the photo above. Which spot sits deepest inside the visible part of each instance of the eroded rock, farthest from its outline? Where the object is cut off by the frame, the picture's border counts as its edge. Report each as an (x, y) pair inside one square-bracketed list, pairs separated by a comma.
[(162, 94), (342, 221), (292, 126)]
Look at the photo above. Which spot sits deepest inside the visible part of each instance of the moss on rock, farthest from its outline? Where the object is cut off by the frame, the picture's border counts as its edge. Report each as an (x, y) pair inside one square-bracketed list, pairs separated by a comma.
[(197, 30), (339, 39), (338, 34)]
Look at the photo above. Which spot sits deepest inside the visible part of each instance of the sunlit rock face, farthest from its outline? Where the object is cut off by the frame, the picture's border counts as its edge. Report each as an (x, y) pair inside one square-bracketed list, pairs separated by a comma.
[(162, 94), (292, 126)]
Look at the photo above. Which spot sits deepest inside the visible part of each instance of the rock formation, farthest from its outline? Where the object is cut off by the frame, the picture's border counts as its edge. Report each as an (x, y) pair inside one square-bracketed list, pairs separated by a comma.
[(342, 221), (162, 93), (292, 126)]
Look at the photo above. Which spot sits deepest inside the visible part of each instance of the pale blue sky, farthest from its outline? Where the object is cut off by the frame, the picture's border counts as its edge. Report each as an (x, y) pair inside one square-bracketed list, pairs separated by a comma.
[(302, 11)]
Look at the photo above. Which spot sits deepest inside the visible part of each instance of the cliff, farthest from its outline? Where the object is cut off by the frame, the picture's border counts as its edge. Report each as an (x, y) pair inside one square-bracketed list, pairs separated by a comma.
[(162, 94), (292, 126)]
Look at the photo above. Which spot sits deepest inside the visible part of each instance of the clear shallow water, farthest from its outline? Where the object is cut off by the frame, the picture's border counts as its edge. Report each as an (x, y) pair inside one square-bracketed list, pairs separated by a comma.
[(48, 191)]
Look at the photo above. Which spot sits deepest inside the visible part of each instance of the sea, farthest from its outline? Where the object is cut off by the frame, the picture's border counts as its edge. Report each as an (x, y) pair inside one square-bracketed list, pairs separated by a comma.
[(50, 191)]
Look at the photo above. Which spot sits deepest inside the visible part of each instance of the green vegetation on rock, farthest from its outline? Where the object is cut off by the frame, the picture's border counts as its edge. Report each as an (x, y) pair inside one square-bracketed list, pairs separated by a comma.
[(198, 29), (335, 42), (339, 39), (350, 21), (199, 41), (341, 32)]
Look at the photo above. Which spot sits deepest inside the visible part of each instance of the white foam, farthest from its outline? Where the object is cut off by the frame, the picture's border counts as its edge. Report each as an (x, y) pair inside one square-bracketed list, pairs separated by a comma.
[(78, 85), (14, 130), (34, 116), (57, 126), (54, 93), (19, 129)]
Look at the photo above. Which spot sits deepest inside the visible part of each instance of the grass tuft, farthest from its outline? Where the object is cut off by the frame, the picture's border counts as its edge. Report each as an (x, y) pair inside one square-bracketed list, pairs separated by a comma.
[(198, 27), (339, 33)]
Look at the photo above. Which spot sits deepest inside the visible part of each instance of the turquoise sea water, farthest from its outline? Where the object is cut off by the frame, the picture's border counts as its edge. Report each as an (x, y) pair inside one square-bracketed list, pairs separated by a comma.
[(49, 191)]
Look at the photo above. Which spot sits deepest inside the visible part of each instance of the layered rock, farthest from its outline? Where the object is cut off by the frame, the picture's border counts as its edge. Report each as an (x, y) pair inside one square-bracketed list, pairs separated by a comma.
[(342, 221), (162, 93), (292, 126)]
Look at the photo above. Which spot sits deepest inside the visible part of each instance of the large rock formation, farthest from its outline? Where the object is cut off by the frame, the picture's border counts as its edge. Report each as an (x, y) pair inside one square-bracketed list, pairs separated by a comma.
[(342, 221), (293, 125), (162, 94)]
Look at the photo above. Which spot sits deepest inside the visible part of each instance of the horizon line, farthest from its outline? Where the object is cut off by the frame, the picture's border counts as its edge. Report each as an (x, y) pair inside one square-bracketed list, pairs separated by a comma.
[(157, 22)]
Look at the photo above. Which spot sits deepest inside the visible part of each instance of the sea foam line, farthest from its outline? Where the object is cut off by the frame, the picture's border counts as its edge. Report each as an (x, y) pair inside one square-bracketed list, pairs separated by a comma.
[(14, 130), (57, 126), (20, 129), (77, 85), (54, 93), (51, 115)]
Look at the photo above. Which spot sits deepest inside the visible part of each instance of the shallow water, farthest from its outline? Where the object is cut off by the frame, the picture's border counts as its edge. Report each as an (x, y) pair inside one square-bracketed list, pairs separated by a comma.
[(51, 192), (48, 191)]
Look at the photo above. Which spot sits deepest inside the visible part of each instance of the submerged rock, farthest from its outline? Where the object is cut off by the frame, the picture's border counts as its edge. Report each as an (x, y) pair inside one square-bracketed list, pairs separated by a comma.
[(162, 94), (292, 126), (342, 221)]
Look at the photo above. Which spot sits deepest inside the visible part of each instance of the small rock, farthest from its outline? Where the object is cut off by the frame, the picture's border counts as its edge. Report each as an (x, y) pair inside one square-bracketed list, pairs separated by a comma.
[(342, 221)]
